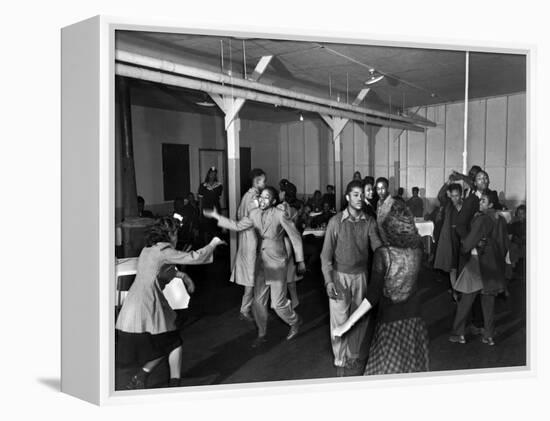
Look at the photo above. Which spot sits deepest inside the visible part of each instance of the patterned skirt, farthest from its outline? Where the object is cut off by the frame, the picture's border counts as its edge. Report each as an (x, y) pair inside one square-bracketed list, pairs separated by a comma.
[(399, 347)]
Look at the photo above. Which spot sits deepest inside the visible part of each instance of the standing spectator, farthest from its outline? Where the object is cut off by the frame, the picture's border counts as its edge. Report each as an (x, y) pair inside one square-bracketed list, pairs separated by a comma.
[(416, 204), (369, 196), (357, 176), (385, 202), (349, 236), (330, 198), (245, 260), (400, 193), (400, 343), (209, 198), (141, 209)]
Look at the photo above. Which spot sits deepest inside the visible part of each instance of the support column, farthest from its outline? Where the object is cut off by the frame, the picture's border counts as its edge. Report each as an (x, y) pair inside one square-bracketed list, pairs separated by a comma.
[(129, 189), (233, 128), (338, 187), (466, 86)]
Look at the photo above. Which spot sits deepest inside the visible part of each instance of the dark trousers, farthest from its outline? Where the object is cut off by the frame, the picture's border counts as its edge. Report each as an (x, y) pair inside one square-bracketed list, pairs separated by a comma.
[(464, 308)]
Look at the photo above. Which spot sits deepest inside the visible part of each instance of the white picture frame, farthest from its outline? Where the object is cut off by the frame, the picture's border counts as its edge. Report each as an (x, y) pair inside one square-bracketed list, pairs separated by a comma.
[(88, 227)]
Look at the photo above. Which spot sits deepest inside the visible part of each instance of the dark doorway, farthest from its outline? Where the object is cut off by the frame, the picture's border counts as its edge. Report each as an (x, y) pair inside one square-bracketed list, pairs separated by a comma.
[(175, 170), (246, 166)]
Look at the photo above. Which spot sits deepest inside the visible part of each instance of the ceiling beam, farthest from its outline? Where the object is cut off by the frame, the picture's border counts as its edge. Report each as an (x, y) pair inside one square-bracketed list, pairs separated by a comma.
[(184, 82), (180, 69)]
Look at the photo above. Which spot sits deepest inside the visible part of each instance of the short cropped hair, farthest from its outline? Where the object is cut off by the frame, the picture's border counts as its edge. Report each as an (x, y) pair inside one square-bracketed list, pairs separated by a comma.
[(256, 172), (353, 184), (383, 180)]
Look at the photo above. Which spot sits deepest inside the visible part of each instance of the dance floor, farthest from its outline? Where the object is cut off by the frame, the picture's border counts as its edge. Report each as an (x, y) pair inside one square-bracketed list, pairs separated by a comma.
[(217, 343)]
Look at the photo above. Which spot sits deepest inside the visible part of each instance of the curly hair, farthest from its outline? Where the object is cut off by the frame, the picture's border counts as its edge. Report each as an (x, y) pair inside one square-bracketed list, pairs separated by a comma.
[(161, 231), (399, 227)]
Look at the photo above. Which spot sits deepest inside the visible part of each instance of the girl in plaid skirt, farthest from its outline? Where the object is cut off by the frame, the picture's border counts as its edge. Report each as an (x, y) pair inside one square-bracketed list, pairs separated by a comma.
[(400, 343)]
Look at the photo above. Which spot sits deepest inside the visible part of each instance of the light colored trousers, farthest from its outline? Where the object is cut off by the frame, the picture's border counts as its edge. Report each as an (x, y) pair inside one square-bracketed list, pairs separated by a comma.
[(277, 290), (248, 298), (352, 288)]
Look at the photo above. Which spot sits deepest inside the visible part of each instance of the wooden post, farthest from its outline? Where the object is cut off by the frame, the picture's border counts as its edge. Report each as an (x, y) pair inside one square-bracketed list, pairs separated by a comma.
[(233, 128), (338, 187), (129, 189)]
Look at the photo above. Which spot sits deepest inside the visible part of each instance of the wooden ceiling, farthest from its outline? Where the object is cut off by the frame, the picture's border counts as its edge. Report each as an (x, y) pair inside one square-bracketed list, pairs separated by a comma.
[(414, 76)]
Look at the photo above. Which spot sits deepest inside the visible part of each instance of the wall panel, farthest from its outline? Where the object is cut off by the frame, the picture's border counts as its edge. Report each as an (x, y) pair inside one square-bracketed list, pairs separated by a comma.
[(435, 156), (454, 135), (496, 132), (516, 144), (476, 132)]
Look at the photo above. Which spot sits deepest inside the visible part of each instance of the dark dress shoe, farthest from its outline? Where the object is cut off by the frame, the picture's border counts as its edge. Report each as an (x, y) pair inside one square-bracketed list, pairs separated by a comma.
[(247, 317), (137, 381), (174, 382), (259, 341), (294, 330)]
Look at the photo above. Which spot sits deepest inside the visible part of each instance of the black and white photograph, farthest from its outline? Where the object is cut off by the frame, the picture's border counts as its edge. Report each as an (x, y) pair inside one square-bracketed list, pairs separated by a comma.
[(297, 209)]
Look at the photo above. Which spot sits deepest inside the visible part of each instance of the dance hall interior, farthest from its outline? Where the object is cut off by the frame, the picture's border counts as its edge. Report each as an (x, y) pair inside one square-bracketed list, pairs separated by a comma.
[(262, 184)]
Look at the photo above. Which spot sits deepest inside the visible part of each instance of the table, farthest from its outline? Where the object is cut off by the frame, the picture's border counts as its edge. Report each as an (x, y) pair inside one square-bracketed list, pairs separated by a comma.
[(124, 267), (175, 292), (425, 228), (317, 232)]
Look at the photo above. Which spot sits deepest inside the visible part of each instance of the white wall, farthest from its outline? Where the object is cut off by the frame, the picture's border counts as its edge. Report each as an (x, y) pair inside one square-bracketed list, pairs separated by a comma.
[(153, 126), (303, 151), (305, 155), (496, 142)]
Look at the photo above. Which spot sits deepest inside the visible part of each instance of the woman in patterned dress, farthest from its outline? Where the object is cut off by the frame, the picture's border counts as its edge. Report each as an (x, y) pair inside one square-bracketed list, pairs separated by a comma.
[(400, 343)]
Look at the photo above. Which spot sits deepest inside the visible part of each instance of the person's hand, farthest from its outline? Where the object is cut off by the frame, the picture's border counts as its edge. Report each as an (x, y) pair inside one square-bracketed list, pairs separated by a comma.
[(338, 331), (217, 241), (300, 268), (211, 213), (331, 291), (187, 248), (457, 176), (189, 284)]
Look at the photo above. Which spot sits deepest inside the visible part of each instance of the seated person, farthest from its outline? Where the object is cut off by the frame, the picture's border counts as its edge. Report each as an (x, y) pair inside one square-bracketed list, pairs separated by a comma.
[(321, 221), (316, 202), (303, 220), (141, 209)]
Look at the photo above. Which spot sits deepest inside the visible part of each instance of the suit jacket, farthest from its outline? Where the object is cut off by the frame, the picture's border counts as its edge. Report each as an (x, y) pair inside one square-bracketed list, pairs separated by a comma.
[(245, 259), (271, 226), (492, 254)]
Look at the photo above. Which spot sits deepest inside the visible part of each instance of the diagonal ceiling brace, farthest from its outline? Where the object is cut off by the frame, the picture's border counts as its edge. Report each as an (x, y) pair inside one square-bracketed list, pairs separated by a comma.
[(232, 106)]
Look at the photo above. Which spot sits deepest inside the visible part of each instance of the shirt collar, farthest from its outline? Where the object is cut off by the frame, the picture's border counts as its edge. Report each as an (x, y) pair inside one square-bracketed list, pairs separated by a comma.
[(346, 215)]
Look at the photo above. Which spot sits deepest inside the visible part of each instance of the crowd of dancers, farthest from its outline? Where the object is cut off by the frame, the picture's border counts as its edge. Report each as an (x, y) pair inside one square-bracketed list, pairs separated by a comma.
[(371, 258)]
